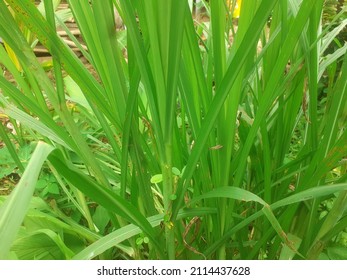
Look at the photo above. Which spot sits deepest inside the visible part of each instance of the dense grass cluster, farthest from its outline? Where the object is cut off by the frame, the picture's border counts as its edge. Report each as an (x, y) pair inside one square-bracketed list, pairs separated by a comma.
[(191, 138)]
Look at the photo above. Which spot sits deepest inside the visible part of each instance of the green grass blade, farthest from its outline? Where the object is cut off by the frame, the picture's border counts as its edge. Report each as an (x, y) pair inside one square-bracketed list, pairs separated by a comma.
[(15, 207), (105, 197), (287, 253), (128, 231), (235, 66), (289, 44), (229, 192), (11, 148), (245, 196), (330, 222), (293, 199), (311, 193), (114, 238), (140, 52), (38, 126), (49, 38)]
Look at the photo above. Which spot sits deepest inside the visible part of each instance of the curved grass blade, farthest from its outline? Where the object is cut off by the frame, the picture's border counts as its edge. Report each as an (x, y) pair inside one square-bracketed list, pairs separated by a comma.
[(229, 192), (37, 125), (118, 236), (246, 196), (105, 197), (114, 238), (311, 193), (299, 197)]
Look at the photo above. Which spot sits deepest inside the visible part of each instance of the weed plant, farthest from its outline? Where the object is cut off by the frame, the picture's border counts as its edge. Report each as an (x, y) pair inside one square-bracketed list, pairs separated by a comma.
[(216, 139)]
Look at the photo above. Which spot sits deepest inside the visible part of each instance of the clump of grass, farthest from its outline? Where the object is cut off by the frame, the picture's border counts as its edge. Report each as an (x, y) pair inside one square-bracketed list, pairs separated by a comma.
[(183, 145)]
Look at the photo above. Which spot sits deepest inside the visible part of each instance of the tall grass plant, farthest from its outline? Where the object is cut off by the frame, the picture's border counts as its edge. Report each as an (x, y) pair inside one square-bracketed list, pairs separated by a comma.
[(216, 139)]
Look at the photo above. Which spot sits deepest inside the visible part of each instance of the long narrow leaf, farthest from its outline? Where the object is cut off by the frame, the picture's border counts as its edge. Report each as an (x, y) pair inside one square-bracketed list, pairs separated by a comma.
[(15, 207), (109, 200)]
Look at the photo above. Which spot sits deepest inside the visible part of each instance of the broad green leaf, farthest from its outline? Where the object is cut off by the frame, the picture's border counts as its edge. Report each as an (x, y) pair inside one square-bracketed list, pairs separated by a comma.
[(176, 171), (41, 244), (156, 179), (101, 218), (7, 163)]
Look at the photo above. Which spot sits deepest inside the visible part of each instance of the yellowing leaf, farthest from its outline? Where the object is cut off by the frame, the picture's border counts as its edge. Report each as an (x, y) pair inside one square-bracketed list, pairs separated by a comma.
[(234, 7)]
